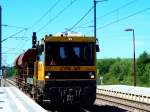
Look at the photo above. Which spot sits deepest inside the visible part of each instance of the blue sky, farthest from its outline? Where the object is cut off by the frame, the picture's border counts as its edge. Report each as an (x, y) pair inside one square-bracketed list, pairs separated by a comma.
[(114, 41)]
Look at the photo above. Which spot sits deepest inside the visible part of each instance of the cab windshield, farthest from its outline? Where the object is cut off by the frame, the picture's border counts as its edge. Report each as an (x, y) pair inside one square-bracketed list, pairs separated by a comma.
[(69, 54)]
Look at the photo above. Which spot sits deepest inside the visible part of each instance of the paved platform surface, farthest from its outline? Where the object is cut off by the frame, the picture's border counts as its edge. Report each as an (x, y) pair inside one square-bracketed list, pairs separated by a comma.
[(14, 100), (143, 91)]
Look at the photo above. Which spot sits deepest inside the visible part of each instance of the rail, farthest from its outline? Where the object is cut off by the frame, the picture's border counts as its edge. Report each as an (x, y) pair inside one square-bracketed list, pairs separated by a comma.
[(131, 102), (17, 82), (133, 97), (12, 82), (128, 101)]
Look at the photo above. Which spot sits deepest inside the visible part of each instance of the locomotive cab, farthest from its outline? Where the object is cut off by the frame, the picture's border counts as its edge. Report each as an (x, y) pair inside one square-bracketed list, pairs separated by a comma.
[(69, 70)]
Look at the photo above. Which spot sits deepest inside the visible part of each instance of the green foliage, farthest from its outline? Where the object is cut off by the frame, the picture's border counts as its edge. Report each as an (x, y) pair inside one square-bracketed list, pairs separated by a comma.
[(144, 58), (104, 64), (143, 69), (109, 79), (119, 71), (9, 72), (146, 78)]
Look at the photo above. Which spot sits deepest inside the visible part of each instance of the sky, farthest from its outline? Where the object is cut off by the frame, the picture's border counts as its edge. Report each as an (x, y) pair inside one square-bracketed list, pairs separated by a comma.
[(22, 17)]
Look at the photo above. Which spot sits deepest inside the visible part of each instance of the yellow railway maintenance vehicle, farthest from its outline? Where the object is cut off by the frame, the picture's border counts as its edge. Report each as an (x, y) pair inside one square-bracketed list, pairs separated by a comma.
[(59, 70)]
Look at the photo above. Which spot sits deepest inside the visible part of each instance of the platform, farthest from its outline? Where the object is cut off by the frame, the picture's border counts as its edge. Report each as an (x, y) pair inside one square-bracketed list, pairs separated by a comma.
[(14, 100)]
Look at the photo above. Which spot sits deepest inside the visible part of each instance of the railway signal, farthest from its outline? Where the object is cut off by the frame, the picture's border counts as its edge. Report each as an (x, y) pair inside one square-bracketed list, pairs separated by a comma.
[(34, 40)]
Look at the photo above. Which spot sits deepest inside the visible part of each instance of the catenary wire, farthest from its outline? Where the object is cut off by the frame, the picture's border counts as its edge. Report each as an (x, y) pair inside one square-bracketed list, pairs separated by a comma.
[(46, 13), (81, 19), (58, 14), (30, 26), (15, 34), (108, 13), (13, 26), (123, 18)]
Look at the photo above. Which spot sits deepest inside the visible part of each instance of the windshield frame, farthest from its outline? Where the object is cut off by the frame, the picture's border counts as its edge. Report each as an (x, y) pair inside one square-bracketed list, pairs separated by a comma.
[(78, 45)]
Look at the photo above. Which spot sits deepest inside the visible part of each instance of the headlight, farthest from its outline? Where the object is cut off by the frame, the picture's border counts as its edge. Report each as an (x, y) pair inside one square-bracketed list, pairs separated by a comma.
[(46, 77), (91, 75)]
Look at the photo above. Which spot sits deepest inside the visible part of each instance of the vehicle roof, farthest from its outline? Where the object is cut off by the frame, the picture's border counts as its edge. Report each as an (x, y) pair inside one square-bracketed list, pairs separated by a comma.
[(69, 39)]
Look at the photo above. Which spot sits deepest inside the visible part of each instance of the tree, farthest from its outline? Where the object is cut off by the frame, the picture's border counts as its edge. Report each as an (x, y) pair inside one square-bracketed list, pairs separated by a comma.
[(142, 68), (9, 72), (120, 70), (104, 64), (116, 71), (146, 76), (144, 58)]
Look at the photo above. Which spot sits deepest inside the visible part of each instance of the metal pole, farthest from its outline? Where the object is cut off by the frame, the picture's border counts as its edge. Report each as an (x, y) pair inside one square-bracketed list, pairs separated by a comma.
[(134, 67), (0, 42), (95, 18), (0, 38)]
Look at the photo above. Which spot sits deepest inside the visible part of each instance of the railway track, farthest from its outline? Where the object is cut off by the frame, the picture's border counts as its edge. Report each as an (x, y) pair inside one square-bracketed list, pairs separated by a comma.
[(124, 103), (101, 104), (10, 82)]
